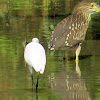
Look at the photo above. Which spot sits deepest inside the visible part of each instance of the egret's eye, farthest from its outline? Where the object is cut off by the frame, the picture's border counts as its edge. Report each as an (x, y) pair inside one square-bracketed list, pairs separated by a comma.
[(92, 5)]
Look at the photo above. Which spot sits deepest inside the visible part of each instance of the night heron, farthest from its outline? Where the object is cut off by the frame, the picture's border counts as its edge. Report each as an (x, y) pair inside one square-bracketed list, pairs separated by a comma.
[(35, 57), (71, 31)]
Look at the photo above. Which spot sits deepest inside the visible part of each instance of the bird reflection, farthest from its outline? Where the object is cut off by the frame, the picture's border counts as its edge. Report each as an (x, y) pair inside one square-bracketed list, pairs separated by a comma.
[(78, 70), (35, 95), (69, 85)]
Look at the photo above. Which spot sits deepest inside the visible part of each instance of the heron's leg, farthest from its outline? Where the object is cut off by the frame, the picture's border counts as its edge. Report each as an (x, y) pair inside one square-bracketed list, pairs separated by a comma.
[(37, 82), (77, 53)]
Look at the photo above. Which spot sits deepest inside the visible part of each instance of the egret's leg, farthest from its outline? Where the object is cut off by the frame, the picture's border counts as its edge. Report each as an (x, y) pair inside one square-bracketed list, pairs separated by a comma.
[(31, 71), (32, 80), (77, 53), (37, 81)]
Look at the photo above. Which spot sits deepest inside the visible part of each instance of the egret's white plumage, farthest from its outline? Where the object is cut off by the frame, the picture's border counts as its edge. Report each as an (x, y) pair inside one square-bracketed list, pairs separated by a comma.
[(35, 56)]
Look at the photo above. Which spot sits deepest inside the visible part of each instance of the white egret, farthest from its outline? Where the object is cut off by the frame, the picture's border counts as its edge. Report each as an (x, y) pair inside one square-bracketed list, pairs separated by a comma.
[(35, 57)]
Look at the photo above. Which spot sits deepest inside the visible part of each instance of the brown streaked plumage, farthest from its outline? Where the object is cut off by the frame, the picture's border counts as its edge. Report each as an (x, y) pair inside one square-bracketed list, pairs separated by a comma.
[(71, 31)]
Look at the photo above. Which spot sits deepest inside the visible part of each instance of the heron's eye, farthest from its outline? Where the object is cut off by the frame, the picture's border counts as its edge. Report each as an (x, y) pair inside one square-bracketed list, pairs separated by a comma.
[(92, 5)]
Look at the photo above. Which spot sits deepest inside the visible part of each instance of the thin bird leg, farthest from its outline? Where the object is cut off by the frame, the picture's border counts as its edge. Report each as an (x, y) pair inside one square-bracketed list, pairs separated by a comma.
[(32, 80), (77, 53), (37, 82), (31, 71)]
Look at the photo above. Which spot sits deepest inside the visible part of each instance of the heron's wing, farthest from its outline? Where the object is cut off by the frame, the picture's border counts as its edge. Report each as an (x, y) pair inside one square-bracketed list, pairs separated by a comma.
[(57, 38), (63, 34)]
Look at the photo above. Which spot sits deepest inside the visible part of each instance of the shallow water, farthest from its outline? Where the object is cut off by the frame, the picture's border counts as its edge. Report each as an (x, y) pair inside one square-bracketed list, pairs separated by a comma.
[(62, 79)]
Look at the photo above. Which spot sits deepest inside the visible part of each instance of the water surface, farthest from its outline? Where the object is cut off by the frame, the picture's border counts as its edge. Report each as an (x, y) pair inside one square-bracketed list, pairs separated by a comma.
[(20, 21)]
